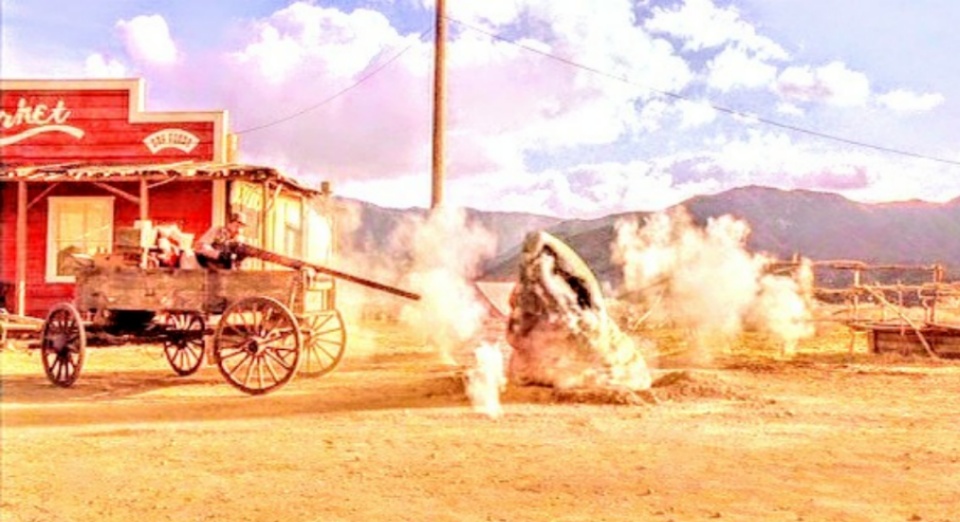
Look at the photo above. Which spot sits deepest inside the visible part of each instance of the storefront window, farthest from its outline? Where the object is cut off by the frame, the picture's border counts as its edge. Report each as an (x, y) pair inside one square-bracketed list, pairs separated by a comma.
[(287, 228), (320, 240), (76, 225)]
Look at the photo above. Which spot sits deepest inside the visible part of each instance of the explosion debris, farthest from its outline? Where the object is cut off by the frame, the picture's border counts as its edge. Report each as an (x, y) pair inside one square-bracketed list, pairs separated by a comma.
[(559, 327)]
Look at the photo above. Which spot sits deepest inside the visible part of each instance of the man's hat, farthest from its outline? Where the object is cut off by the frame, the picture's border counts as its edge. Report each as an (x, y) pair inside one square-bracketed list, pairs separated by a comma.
[(237, 217)]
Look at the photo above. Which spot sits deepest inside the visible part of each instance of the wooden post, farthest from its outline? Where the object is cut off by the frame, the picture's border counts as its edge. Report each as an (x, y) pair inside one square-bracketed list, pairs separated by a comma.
[(906, 319), (439, 103), (144, 216), (266, 225), (144, 200), (937, 279), (21, 248), (304, 226), (218, 217), (233, 147), (856, 294)]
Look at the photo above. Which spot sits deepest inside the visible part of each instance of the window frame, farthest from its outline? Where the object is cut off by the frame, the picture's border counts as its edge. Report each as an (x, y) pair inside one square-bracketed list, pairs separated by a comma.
[(54, 204)]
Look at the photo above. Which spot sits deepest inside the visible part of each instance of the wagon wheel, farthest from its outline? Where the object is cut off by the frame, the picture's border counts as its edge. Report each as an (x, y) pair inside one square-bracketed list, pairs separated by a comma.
[(257, 345), (183, 345), (324, 341), (63, 345)]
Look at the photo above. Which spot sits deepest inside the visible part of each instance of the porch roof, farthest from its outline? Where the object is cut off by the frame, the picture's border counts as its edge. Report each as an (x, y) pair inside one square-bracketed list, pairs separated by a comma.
[(159, 171)]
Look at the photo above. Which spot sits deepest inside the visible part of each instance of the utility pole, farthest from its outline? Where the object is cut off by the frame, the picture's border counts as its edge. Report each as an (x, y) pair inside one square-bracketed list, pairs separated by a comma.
[(439, 102)]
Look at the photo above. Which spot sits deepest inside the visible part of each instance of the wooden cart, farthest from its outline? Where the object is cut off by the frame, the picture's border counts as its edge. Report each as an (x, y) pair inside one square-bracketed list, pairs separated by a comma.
[(260, 327)]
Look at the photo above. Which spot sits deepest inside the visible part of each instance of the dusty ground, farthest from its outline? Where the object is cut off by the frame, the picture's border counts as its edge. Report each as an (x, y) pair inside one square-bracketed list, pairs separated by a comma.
[(390, 436)]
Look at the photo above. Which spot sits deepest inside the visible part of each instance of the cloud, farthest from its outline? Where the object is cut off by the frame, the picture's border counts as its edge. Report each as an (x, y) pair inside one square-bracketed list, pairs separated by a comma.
[(489, 14), (789, 109), (147, 39), (323, 40), (503, 100), (702, 25), (901, 100), (99, 66), (695, 114), (837, 178), (735, 68), (775, 159), (587, 190), (312, 86), (833, 84), (308, 76)]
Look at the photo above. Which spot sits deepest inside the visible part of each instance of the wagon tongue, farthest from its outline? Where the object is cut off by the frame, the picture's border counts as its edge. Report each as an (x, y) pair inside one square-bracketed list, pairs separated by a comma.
[(246, 250)]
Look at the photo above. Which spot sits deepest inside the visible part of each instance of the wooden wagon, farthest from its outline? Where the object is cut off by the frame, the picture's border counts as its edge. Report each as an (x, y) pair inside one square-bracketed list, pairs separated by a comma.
[(260, 327)]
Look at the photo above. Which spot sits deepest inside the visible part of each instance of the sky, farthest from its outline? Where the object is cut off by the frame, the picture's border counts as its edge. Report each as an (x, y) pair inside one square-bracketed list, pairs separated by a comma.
[(569, 108)]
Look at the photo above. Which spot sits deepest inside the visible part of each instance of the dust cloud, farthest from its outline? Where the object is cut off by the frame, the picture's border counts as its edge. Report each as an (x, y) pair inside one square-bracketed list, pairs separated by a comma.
[(704, 280), (438, 255), (486, 380)]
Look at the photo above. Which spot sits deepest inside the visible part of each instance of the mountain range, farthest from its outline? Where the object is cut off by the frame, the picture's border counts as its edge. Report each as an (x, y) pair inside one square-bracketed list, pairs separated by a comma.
[(816, 225)]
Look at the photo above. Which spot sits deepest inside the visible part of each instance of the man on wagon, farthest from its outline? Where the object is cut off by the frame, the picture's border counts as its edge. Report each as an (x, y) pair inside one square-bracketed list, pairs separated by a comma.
[(214, 248)]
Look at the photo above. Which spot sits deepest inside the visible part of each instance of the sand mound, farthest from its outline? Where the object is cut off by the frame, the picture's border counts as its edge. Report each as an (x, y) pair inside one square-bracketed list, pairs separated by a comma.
[(670, 386), (687, 385)]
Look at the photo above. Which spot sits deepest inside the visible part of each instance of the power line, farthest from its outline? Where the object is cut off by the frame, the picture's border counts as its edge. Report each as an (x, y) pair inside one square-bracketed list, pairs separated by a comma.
[(341, 92), (719, 108)]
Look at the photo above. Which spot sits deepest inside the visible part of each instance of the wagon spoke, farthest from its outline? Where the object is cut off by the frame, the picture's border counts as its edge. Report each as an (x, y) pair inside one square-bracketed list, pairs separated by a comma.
[(326, 319), (253, 325), (283, 352), (280, 360), (324, 345), (324, 350), (273, 374), (231, 352), (285, 334), (259, 363), (265, 327), (238, 341), (62, 368), (246, 378), (325, 332), (194, 353), (239, 364)]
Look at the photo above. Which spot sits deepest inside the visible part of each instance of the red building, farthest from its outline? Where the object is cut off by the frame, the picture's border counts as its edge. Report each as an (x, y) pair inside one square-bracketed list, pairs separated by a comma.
[(81, 161)]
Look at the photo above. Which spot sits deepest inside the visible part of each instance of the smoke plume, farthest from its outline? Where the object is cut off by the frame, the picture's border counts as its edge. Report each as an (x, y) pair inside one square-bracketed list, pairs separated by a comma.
[(703, 279), (446, 252), (486, 379)]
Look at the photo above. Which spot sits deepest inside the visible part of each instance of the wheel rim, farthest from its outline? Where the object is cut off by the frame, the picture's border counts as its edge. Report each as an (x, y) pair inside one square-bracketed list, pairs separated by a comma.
[(257, 345), (63, 345), (324, 342), (184, 344)]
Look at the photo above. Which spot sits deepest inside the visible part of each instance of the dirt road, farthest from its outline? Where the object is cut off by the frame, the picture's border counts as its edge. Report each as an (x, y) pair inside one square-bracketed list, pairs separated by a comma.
[(390, 436)]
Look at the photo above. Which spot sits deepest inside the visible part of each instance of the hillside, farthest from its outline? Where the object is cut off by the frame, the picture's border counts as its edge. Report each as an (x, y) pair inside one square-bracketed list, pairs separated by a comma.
[(378, 224), (816, 225)]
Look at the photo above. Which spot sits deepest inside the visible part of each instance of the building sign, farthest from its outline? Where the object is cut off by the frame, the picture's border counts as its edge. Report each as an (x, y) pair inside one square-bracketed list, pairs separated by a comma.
[(28, 120), (100, 122), (178, 139)]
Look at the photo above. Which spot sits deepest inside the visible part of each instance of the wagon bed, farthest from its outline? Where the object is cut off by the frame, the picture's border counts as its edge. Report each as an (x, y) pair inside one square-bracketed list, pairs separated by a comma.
[(259, 327)]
